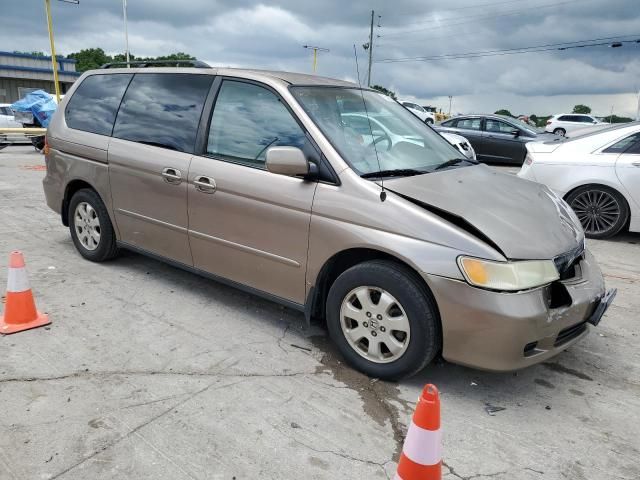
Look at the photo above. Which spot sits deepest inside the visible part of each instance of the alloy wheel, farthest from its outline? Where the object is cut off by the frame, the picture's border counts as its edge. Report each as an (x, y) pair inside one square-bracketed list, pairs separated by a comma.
[(597, 210), (87, 225), (375, 324)]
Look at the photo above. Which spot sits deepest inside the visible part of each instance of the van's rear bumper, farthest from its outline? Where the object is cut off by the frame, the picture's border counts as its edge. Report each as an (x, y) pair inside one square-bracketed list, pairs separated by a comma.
[(508, 331)]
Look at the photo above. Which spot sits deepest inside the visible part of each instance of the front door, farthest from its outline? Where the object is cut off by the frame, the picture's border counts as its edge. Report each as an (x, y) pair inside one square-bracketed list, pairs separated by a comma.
[(500, 144), (149, 156), (246, 224)]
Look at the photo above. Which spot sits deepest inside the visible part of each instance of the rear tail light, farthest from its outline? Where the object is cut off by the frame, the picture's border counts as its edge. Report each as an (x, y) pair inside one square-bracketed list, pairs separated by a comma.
[(548, 122), (528, 160), (45, 150)]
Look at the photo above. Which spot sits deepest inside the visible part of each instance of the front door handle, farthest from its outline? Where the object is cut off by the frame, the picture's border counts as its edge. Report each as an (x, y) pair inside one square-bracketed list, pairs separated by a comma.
[(205, 184), (172, 175), (636, 164)]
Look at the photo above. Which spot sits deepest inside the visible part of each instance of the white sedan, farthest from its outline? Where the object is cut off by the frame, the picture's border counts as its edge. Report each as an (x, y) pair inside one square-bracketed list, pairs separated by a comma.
[(598, 174)]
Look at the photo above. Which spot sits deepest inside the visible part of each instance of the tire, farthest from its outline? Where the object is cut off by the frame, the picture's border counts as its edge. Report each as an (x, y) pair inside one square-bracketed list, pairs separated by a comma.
[(414, 305), (105, 248), (428, 121), (560, 131), (602, 211)]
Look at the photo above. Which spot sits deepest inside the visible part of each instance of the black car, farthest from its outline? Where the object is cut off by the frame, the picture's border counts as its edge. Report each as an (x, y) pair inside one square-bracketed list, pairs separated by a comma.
[(496, 138)]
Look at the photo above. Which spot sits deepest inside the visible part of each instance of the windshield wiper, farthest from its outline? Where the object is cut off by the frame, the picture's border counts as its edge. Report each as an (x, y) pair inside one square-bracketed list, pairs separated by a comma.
[(398, 172), (455, 161)]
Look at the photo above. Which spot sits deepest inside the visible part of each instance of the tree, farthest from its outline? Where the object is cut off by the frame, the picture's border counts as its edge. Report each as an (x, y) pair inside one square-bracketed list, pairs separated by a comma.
[(504, 112), (582, 109), (89, 59), (386, 91), (92, 58)]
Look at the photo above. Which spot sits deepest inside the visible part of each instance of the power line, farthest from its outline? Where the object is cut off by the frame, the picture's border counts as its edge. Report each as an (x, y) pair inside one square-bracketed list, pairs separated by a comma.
[(474, 18), (596, 42)]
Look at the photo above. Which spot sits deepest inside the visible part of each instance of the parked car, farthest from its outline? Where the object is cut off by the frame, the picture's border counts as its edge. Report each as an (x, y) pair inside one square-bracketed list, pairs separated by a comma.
[(567, 123), (461, 143), (373, 125), (254, 179), (495, 138), (423, 114), (7, 120), (598, 174)]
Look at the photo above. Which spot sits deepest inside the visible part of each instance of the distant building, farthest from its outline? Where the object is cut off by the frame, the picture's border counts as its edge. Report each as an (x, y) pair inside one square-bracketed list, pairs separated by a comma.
[(21, 73)]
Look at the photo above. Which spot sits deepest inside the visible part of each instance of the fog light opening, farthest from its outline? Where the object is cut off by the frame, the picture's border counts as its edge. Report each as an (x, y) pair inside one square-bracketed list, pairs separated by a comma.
[(530, 349)]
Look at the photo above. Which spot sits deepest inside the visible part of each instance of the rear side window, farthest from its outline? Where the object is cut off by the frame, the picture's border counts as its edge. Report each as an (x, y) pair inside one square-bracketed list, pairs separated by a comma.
[(449, 123), (163, 110), (469, 123), (95, 102), (630, 144), (564, 118)]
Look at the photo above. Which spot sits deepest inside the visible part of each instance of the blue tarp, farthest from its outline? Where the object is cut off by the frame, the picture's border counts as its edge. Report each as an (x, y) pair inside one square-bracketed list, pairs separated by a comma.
[(40, 104)]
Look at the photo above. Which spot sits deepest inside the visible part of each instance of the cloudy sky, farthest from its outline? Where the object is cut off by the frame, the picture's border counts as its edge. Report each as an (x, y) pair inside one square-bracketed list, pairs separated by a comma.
[(271, 35)]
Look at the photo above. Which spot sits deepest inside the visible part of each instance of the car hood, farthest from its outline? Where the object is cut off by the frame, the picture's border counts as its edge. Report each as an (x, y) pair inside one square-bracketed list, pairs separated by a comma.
[(523, 219)]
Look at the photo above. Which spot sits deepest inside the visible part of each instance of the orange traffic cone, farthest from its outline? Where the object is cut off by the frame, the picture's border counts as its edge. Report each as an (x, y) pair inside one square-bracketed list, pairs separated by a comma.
[(421, 457), (20, 310)]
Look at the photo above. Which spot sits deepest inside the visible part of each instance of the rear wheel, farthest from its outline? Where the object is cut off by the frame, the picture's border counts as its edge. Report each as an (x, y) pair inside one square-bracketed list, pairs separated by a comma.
[(383, 320), (602, 211), (90, 226), (560, 131)]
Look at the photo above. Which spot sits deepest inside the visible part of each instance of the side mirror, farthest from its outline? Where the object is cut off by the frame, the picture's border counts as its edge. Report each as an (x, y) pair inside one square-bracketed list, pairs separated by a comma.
[(289, 161), (515, 132)]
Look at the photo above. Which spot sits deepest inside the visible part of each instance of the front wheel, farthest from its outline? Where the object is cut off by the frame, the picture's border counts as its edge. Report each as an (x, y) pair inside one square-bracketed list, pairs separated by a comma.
[(383, 320), (91, 229), (602, 211)]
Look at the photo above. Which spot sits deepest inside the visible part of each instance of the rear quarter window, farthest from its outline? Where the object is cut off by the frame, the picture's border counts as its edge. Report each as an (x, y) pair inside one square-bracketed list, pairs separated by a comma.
[(94, 104)]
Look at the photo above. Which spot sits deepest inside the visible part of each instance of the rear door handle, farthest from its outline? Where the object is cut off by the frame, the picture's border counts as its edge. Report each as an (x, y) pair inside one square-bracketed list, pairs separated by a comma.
[(172, 175), (636, 164), (205, 184)]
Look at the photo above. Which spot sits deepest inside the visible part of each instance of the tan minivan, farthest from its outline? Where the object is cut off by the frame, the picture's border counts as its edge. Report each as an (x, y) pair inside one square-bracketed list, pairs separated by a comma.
[(280, 184)]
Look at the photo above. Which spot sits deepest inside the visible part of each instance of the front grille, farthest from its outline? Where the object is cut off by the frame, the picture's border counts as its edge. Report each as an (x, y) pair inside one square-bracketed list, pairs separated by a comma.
[(570, 333), (566, 263)]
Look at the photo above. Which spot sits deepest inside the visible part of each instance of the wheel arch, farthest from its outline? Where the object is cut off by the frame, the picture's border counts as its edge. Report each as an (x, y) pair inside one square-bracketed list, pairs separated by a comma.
[(315, 305), (72, 187)]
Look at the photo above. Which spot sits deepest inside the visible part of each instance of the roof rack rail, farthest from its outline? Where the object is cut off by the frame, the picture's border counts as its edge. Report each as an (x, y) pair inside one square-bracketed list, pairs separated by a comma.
[(156, 63)]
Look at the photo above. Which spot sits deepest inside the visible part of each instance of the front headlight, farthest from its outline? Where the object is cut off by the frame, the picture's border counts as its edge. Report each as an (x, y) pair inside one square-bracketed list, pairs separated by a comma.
[(508, 276)]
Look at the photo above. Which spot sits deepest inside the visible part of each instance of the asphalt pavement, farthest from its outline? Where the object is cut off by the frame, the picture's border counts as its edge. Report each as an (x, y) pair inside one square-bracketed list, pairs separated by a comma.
[(150, 372)]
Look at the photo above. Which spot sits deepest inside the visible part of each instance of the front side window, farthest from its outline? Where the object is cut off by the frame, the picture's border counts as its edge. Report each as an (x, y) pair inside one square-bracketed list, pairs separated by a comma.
[(163, 110), (248, 119), (497, 126), (94, 104), (373, 133), (630, 144)]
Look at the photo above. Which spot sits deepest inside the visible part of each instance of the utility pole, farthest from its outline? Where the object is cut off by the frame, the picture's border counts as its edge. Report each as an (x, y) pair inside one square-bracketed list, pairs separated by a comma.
[(54, 61), (638, 110), (370, 49), (450, 99), (315, 54), (126, 32)]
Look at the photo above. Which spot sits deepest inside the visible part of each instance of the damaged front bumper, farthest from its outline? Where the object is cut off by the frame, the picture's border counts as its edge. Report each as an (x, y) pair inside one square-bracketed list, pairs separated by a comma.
[(507, 331)]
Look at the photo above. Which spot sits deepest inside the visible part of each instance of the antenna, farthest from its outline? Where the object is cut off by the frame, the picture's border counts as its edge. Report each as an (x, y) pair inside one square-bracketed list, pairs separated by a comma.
[(383, 194)]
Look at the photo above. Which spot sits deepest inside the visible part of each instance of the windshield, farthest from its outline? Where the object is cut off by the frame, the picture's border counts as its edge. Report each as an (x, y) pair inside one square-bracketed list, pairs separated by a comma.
[(382, 137)]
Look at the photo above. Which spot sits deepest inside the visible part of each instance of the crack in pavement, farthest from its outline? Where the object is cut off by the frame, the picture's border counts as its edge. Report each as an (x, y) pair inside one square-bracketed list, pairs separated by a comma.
[(89, 374), (139, 427), (470, 477)]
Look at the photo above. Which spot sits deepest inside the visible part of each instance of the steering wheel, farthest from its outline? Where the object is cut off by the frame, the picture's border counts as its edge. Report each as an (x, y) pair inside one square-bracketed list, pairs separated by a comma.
[(383, 137)]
